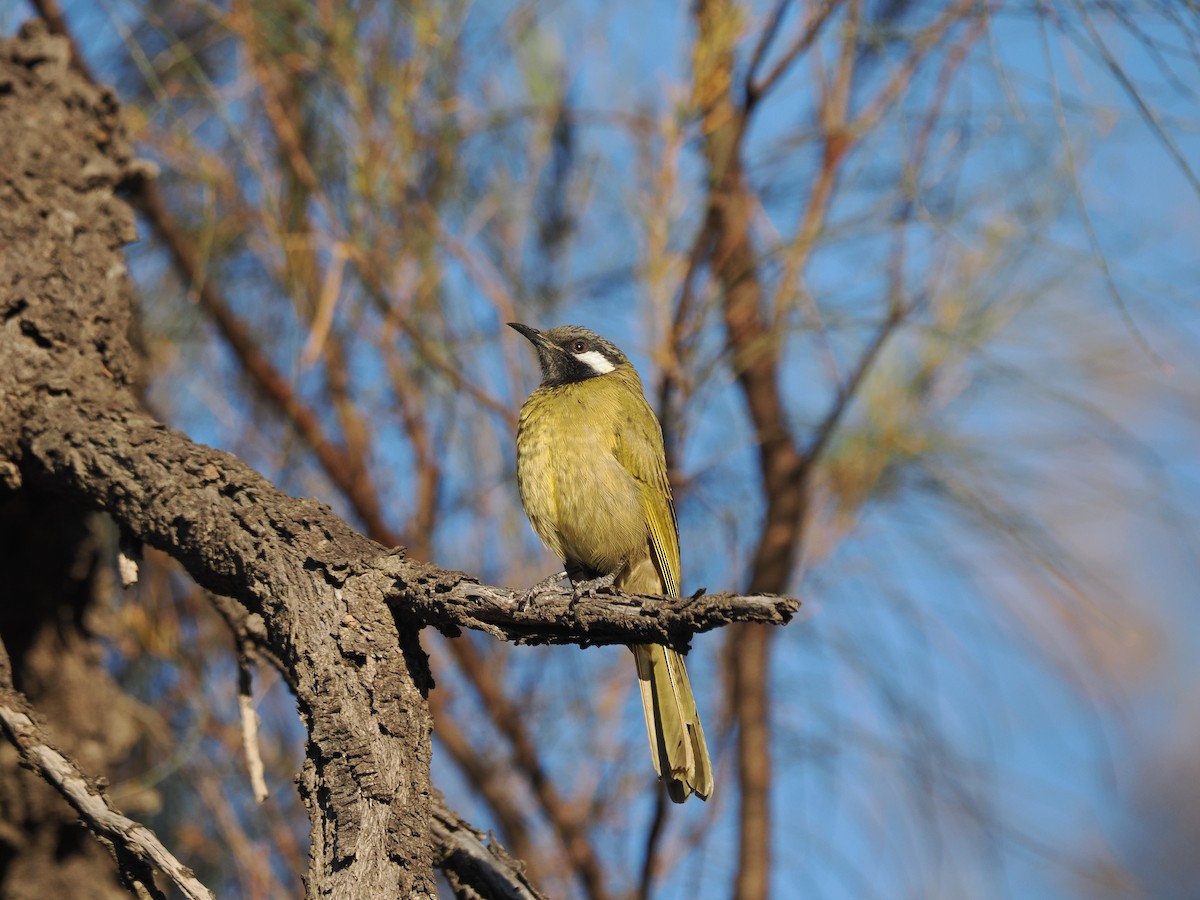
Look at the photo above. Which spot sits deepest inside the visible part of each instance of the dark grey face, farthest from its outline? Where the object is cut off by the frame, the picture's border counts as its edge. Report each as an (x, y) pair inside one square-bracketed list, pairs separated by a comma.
[(570, 353)]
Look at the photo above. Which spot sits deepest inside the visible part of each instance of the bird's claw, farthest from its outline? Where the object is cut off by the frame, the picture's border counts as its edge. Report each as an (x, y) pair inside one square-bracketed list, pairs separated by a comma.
[(530, 596), (589, 587)]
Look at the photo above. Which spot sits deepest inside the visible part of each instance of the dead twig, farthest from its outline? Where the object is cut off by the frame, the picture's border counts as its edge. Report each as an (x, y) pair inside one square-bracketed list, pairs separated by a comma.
[(135, 846)]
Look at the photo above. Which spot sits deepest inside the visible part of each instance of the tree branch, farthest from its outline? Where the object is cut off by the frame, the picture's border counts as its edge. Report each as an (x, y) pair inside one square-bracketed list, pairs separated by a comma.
[(70, 423), (473, 868), (135, 846), (458, 847), (220, 518), (452, 600)]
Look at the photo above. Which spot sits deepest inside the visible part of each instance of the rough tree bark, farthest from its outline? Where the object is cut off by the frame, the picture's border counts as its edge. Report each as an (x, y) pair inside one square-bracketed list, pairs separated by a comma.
[(69, 425), (51, 549), (340, 613)]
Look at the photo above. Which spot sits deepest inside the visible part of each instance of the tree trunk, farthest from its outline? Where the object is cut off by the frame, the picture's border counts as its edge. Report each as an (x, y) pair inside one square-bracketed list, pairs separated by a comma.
[(52, 551), (70, 426)]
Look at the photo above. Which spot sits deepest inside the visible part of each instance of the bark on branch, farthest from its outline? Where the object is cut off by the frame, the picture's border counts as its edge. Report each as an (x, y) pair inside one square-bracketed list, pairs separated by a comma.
[(231, 528), (451, 600), (475, 866)]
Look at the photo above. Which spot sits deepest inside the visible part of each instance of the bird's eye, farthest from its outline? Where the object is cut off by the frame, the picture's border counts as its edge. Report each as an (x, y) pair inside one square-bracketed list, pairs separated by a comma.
[(579, 346)]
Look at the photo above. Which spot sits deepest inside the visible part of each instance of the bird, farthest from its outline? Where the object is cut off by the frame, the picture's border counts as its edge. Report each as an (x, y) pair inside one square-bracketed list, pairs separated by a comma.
[(592, 475)]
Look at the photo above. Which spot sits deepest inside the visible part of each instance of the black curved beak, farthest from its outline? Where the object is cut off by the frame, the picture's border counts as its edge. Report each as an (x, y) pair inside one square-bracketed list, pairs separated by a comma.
[(534, 336)]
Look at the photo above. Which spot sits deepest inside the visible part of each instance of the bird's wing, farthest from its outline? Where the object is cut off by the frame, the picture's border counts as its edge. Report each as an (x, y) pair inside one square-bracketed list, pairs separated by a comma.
[(640, 450)]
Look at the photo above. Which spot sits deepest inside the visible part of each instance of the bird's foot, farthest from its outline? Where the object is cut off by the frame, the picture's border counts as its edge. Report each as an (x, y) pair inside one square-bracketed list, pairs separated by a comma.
[(584, 588), (588, 588), (527, 599)]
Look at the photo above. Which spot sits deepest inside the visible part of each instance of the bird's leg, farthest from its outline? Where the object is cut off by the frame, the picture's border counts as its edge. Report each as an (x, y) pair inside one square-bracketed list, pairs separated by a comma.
[(550, 581)]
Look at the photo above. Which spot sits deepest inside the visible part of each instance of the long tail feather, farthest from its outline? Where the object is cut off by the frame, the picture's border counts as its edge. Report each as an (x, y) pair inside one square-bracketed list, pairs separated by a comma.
[(672, 723)]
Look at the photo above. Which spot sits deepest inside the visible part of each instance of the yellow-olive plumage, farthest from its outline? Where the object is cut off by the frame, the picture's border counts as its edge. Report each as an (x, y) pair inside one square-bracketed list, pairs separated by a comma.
[(593, 481)]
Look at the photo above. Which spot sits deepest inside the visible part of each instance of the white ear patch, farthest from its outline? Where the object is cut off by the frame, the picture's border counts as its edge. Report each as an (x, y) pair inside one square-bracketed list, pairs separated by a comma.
[(596, 360)]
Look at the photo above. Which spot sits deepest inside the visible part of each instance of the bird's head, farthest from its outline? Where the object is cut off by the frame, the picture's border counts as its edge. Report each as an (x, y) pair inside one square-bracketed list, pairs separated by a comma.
[(570, 353)]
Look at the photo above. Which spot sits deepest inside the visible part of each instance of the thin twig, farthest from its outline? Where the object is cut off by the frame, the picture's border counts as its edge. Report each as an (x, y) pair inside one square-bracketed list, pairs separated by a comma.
[(766, 37), (1085, 217), (756, 90), (129, 838), (254, 763)]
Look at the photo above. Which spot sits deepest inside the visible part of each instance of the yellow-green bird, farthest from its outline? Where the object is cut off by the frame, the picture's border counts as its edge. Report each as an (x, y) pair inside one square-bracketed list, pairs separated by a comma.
[(593, 481)]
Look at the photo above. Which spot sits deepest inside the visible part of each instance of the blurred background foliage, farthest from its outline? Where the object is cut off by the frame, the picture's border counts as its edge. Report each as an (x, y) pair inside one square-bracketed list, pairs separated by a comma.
[(939, 259)]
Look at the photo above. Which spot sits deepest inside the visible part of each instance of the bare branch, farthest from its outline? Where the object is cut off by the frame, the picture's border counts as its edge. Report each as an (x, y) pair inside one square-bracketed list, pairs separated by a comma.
[(451, 600), (476, 869), (756, 89), (133, 843)]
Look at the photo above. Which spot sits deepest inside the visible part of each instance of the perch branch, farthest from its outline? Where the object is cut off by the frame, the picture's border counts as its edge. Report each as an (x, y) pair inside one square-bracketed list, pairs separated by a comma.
[(559, 616)]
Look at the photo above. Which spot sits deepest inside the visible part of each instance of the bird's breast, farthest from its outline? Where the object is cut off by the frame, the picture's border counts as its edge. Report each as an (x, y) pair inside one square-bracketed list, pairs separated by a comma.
[(582, 503)]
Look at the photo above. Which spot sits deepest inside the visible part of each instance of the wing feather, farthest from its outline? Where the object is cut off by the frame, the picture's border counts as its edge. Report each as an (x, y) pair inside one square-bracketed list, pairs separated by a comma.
[(639, 447)]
